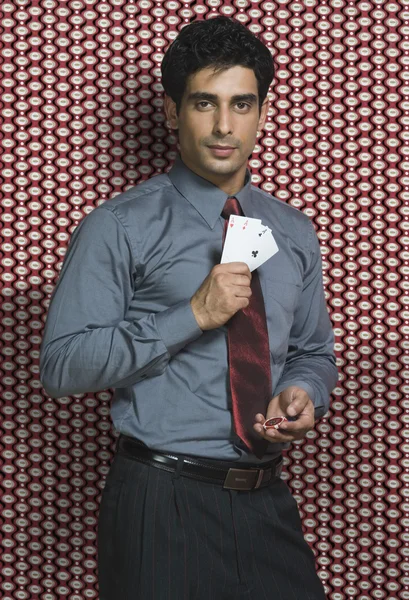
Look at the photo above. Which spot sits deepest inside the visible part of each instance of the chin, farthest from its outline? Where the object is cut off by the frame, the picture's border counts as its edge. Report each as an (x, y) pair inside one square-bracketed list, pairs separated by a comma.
[(223, 166)]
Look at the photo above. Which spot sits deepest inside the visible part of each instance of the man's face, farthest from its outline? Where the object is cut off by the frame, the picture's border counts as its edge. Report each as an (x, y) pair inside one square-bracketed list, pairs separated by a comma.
[(218, 121)]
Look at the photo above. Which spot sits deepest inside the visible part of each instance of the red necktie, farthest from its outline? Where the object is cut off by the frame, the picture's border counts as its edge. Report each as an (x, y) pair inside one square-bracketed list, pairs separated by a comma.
[(249, 357)]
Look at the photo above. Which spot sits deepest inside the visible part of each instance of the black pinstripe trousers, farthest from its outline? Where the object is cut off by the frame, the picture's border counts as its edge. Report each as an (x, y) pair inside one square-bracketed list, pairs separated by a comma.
[(166, 537)]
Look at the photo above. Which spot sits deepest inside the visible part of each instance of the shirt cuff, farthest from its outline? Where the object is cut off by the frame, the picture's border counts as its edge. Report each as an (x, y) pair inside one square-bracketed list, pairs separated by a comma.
[(177, 326)]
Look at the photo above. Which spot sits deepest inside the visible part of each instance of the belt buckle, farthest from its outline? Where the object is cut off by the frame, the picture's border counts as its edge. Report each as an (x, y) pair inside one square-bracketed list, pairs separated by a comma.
[(243, 479)]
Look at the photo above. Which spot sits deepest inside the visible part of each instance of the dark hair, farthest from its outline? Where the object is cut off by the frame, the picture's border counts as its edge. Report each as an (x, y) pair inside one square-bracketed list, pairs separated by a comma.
[(220, 42)]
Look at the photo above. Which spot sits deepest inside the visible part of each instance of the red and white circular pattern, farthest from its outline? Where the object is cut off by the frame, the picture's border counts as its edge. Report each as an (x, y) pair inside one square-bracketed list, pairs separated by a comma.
[(81, 121)]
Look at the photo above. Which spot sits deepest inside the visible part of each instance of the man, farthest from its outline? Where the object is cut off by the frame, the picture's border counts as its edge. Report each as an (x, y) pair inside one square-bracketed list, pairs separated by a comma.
[(142, 305)]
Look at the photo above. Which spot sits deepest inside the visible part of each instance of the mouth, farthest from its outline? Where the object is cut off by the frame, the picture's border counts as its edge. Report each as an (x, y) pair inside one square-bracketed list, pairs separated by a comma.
[(222, 150)]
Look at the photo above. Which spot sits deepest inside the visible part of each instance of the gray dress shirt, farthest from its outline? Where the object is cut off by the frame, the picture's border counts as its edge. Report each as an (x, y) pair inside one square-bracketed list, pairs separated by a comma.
[(120, 314)]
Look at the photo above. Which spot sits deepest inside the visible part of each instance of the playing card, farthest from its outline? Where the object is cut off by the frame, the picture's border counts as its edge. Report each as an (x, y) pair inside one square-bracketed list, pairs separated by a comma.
[(263, 246), (249, 241), (239, 230)]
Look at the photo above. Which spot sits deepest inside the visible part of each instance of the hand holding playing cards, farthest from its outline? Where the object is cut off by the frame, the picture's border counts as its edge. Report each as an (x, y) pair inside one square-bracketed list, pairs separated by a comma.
[(224, 291), (291, 402)]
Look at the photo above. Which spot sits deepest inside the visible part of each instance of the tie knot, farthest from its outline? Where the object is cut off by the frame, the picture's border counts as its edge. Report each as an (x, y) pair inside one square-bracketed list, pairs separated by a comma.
[(231, 207)]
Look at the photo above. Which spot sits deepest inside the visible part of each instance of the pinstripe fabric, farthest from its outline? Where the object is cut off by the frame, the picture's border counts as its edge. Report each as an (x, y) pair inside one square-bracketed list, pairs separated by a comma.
[(164, 537)]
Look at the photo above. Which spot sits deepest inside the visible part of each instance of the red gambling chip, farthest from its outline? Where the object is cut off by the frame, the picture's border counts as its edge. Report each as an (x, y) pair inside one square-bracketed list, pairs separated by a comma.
[(274, 422)]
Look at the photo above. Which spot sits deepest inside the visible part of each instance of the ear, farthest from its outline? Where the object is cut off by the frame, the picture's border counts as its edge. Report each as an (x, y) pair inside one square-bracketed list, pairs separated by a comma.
[(170, 111), (263, 114)]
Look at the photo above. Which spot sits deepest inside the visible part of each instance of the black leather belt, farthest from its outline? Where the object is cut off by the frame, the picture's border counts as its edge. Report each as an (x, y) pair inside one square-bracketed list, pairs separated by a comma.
[(249, 477)]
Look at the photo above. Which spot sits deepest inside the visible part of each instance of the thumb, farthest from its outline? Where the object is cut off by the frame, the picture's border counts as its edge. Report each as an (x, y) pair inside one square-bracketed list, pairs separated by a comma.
[(297, 399)]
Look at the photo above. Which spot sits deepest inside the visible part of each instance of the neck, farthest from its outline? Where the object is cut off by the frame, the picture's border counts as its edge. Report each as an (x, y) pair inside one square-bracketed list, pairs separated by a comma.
[(231, 184)]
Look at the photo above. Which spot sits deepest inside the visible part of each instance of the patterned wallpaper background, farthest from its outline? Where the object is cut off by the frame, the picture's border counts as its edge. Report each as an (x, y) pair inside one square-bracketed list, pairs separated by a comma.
[(81, 121)]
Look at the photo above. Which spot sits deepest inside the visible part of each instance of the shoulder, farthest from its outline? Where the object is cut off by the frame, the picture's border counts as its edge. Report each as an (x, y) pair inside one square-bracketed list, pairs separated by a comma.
[(125, 213), (149, 191), (291, 219), (133, 205), (279, 205)]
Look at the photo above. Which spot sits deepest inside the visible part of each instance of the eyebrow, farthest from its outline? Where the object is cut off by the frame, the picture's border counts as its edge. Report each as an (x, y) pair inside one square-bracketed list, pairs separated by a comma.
[(252, 98)]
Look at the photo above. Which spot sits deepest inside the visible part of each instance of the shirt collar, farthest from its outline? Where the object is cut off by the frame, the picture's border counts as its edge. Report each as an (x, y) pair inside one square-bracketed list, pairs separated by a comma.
[(207, 198)]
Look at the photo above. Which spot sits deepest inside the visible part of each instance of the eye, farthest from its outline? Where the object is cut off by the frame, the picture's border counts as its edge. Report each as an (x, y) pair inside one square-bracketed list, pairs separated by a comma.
[(200, 104), (242, 105)]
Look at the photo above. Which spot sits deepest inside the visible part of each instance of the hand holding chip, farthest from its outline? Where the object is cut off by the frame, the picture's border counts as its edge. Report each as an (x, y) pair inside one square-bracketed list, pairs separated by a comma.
[(290, 415)]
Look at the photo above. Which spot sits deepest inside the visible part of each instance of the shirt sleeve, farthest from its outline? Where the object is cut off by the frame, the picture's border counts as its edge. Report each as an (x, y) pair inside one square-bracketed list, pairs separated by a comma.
[(310, 362), (88, 345)]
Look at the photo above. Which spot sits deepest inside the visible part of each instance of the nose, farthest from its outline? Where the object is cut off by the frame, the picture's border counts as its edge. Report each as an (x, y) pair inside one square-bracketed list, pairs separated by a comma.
[(223, 122)]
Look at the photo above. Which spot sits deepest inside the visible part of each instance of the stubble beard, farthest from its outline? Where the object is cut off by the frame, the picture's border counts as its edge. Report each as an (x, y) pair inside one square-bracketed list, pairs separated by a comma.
[(221, 166)]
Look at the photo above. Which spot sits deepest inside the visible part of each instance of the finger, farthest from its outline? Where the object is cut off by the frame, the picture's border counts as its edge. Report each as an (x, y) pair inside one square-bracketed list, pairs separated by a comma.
[(277, 436), (240, 268), (289, 426), (242, 292), (272, 435), (242, 280), (273, 409), (303, 422), (298, 404), (259, 428), (296, 431)]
